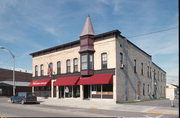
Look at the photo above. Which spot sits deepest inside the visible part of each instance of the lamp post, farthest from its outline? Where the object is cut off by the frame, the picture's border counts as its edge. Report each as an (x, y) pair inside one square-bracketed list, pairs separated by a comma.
[(13, 56)]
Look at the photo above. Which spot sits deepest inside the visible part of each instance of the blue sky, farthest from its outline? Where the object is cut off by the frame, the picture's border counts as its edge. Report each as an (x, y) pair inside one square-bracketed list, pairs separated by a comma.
[(31, 25)]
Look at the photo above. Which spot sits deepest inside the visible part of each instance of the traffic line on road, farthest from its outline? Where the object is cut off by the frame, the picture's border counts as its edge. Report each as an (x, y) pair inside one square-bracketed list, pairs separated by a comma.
[(153, 112), (93, 107)]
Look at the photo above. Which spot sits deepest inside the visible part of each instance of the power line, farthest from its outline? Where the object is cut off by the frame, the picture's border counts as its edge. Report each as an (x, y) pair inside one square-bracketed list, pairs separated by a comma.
[(172, 28)]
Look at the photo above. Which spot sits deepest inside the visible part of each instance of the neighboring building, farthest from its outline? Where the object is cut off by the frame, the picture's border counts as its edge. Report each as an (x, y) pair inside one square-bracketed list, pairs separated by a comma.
[(103, 66), (172, 91), (22, 80)]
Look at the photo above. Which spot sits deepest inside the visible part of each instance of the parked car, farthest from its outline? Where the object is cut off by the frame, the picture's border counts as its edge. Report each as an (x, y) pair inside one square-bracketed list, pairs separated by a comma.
[(24, 97)]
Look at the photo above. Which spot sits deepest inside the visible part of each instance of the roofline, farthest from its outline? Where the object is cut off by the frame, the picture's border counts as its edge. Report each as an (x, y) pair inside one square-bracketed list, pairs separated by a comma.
[(138, 48), (158, 67), (77, 42), (15, 71)]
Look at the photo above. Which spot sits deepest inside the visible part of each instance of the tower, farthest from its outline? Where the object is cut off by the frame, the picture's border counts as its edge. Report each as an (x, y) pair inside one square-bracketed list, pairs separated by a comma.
[(87, 49)]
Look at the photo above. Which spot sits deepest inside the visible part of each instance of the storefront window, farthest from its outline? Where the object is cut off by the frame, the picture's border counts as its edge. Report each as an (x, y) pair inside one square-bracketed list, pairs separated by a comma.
[(102, 91), (76, 91), (68, 91), (107, 87)]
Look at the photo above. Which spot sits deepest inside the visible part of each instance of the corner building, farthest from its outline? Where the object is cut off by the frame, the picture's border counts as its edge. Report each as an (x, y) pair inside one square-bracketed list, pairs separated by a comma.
[(102, 66)]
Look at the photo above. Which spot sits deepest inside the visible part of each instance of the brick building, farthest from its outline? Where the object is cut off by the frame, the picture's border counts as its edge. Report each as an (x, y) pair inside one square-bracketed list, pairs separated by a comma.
[(102, 66), (22, 80)]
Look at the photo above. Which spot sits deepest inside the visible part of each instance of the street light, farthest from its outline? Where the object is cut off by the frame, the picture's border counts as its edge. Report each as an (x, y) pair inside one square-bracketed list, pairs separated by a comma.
[(13, 56)]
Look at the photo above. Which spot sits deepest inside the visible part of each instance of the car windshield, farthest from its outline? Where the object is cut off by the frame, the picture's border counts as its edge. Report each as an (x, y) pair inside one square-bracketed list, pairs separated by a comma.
[(30, 94)]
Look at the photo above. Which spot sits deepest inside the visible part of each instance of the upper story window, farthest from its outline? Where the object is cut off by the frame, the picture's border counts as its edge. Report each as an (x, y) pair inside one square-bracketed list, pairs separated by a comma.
[(154, 74), (121, 58), (68, 66), (42, 70), (143, 89), (58, 67), (75, 61), (142, 68), (87, 62), (104, 60), (135, 66), (50, 69), (161, 77), (84, 62), (91, 62), (36, 70), (148, 71), (158, 76)]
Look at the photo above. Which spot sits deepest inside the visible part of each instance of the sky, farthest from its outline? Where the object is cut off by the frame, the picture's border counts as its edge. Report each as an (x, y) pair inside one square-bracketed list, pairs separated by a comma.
[(28, 26)]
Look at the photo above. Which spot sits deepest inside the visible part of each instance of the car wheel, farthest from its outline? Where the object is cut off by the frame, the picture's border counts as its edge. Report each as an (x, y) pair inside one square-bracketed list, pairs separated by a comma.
[(22, 102), (12, 101)]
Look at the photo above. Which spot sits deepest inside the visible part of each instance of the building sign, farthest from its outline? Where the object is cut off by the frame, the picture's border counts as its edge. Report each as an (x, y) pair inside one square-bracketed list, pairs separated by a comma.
[(39, 83)]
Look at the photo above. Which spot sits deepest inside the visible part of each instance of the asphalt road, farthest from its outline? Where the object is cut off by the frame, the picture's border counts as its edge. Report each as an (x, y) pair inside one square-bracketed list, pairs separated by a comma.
[(8, 109)]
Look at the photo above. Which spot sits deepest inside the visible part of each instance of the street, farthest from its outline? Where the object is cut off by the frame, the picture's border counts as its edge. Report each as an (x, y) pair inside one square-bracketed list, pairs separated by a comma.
[(8, 109)]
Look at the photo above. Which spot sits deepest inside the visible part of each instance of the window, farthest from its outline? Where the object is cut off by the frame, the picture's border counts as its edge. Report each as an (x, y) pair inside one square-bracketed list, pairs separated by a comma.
[(141, 68), (42, 69), (148, 89), (50, 69), (154, 74), (158, 75), (87, 62), (134, 65), (104, 60), (148, 71), (91, 62), (36, 70), (161, 77), (75, 61), (84, 63), (68, 67), (121, 58), (58, 67), (143, 89)]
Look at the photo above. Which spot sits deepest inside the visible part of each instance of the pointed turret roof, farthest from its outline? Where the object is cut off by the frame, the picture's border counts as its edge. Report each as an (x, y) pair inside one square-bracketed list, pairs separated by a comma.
[(88, 28)]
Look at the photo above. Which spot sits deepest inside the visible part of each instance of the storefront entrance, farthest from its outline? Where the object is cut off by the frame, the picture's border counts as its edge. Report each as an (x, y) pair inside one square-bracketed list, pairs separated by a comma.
[(61, 91), (86, 91)]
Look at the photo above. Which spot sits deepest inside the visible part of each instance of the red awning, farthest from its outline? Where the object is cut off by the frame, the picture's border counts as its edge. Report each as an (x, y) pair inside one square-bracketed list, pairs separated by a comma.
[(41, 82), (96, 79), (66, 81)]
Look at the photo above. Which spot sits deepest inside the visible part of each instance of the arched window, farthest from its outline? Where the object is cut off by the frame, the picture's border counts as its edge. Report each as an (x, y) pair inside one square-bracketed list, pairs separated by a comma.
[(68, 66), (36, 70), (135, 66), (58, 67), (42, 70), (50, 69), (104, 60), (75, 63)]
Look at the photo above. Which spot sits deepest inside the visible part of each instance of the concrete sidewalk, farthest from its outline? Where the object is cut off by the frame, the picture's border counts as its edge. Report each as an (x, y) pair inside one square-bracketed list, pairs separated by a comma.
[(108, 105)]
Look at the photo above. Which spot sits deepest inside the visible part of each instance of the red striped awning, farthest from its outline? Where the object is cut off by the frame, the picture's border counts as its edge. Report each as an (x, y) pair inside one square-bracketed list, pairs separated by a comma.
[(66, 81), (41, 82), (96, 79)]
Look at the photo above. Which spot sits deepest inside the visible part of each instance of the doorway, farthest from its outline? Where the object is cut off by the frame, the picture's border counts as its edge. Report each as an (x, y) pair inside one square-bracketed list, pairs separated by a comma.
[(61, 91), (86, 91)]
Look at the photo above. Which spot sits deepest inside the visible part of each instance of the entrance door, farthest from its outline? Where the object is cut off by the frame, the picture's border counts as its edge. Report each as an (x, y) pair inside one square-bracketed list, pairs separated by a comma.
[(86, 91), (61, 91)]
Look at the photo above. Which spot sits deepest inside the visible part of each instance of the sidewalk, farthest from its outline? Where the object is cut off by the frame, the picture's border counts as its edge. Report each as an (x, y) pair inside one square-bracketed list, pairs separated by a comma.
[(108, 105)]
